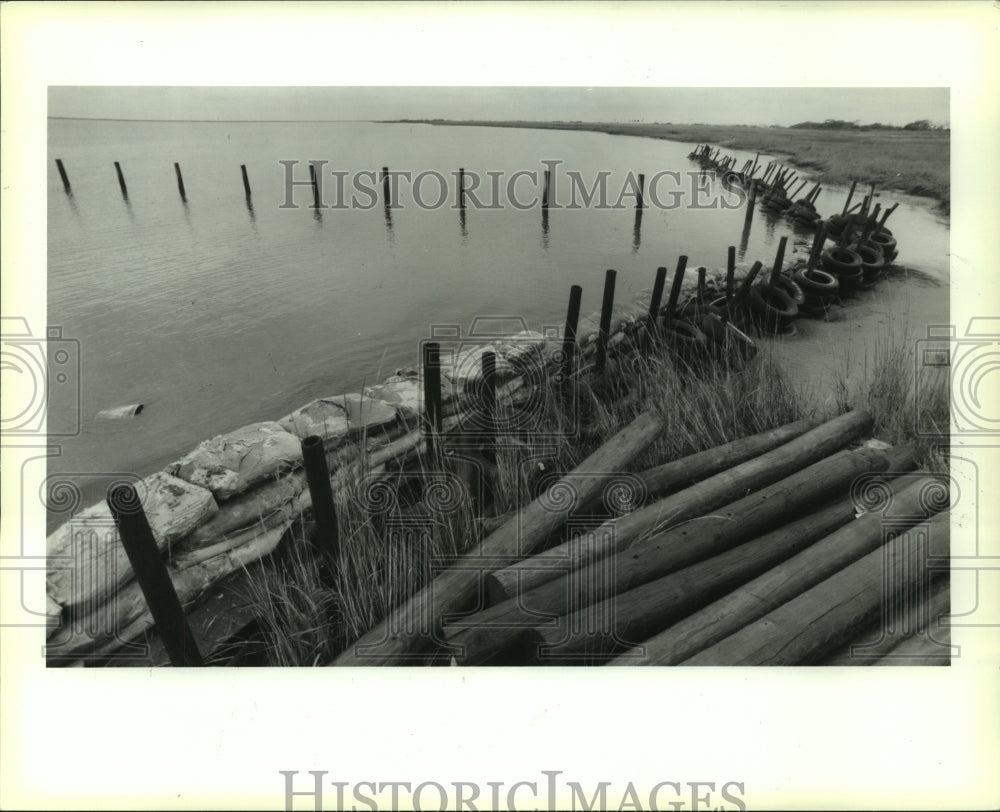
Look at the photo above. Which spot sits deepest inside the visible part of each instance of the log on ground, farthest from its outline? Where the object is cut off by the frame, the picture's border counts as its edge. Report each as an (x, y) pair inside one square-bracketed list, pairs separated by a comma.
[(819, 620), (482, 636), (780, 584)]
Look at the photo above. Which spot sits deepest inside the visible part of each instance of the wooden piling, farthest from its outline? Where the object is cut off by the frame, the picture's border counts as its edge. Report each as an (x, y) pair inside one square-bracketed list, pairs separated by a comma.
[(607, 304), (386, 188), (751, 202), (461, 187), (324, 513), (652, 320), (754, 167), (246, 180), (180, 181), (569, 342), (121, 180), (315, 185), (817, 246), (545, 191), (850, 196), (489, 370), (778, 260), (152, 576), (641, 191), (730, 277), (799, 190), (432, 394), (62, 174), (675, 290)]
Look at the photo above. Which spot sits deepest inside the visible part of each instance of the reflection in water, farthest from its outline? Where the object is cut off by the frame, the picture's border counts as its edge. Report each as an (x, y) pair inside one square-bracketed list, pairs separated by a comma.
[(545, 227), (318, 215), (253, 217), (387, 216), (637, 230), (461, 219)]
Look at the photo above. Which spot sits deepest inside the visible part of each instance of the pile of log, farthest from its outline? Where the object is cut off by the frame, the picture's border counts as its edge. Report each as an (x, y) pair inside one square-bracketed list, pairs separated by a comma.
[(782, 548)]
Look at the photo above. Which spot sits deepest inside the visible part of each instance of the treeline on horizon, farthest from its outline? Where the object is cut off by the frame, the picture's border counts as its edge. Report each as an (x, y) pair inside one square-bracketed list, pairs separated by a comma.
[(838, 124)]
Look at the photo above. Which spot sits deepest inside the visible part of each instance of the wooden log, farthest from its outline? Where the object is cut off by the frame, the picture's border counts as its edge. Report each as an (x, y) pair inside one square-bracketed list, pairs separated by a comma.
[(820, 619), (390, 643), (734, 483), (531, 572), (919, 619), (921, 650), (780, 584), (482, 635), (596, 632)]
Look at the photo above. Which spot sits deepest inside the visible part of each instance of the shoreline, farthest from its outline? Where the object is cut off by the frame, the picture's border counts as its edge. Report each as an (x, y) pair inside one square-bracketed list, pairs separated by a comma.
[(910, 162)]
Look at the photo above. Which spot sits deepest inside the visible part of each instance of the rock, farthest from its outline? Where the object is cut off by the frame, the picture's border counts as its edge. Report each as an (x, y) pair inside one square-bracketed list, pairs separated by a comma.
[(86, 561), (230, 463), (336, 417)]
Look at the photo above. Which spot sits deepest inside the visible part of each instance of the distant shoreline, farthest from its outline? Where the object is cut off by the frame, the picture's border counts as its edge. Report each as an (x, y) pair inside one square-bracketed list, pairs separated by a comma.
[(914, 162)]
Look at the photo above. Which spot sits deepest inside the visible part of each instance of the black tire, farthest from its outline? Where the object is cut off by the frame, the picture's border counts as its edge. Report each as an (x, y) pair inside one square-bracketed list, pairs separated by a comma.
[(686, 340), (792, 288), (841, 262), (885, 242), (871, 261), (816, 282), (773, 307)]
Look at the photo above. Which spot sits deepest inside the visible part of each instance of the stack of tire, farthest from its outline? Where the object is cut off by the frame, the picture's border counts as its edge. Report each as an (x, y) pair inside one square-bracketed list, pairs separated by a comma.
[(774, 308), (820, 289), (776, 200), (804, 213)]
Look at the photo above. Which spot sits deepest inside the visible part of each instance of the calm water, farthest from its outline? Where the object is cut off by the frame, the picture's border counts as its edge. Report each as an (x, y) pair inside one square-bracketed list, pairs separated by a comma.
[(215, 314)]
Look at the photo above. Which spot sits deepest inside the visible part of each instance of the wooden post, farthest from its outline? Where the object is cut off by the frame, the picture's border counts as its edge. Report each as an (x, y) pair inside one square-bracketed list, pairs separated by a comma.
[(461, 187), (797, 191), (62, 174), (700, 293), (751, 202), (606, 306), (489, 370), (654, 310), (730, 276), (850, 195), (642, 189), (121, 180), (870, 225), (151, 573), (780, 258), (817, 247), (315, 185), (246, 180), (569, 341), (180, 181), (432, 394), (815, 194), (324, 512), (386, 189), (675, 289), (886, 213), (754, 167), (545, 191)]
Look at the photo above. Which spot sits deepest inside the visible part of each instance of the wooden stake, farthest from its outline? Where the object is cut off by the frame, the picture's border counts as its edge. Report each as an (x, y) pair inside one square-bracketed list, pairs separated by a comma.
[(121, 180), (324, 512), (151, 573), (62, 174), (607, 305), (246, 180), (180, 181)]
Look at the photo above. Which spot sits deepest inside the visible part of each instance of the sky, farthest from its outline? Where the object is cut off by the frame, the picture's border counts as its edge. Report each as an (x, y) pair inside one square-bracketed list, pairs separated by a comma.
[(752, 106)]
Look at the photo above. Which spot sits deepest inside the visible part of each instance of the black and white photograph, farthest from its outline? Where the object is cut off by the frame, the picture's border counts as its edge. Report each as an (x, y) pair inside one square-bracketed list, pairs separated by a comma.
[(394, 387)]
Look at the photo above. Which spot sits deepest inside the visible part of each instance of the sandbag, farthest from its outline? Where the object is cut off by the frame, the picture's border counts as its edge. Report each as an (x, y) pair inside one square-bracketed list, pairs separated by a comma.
[(86, 561), (335, 418), (230, 463)]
